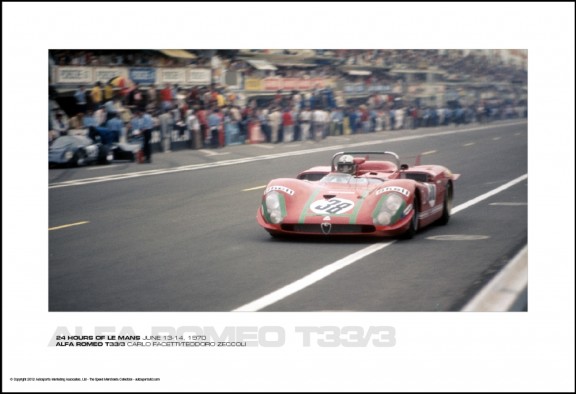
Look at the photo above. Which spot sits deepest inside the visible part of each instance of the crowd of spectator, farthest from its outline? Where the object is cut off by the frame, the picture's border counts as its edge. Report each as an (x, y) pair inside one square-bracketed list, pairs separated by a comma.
[(208, 116)]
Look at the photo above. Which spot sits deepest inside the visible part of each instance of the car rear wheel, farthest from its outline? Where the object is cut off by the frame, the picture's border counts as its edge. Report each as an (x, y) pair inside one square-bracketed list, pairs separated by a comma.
[(447, 206), (80, 158), (104, 155)]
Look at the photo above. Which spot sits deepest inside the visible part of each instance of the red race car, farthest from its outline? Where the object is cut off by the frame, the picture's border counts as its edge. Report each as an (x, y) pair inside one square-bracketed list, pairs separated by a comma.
[(358, 195)]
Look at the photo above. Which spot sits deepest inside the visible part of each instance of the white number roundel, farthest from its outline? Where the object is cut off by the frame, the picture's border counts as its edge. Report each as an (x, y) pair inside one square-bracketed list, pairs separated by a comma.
[(334, 206)]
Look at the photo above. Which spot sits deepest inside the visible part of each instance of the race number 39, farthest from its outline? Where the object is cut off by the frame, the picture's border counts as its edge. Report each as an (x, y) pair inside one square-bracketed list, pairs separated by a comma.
[(334, 206)]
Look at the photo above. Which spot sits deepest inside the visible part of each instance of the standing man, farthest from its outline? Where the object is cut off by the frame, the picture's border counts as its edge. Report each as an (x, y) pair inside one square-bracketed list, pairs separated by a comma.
[(166, 97), (305, 122), (318, 119), (202, 115), (275, 120), (194, 129), (60, 124), (214, 124), (287, 126), (96, 95), (337, 118), (145, 125), (114, 125), (81, 104)]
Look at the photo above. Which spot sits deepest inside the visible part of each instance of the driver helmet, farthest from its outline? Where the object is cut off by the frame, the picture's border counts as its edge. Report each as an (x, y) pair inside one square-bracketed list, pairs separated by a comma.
[(346, 164)]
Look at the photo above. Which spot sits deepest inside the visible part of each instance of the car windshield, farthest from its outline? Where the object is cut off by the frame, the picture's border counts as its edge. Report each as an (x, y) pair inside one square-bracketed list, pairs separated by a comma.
[(338, 177)]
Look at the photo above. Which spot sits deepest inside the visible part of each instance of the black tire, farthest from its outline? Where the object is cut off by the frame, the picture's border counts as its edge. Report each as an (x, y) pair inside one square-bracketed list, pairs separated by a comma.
[(103, 155), (447, 205), (79, 158), (413, 229)]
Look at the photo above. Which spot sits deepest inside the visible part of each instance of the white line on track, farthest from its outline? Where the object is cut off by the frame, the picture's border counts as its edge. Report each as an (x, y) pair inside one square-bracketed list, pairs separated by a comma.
[(502, 291), (510, 204), (223, 163), (212, 153), (323, 272), (102, 167), (469, 144), (430, 152), (254, 188), (67, 225)]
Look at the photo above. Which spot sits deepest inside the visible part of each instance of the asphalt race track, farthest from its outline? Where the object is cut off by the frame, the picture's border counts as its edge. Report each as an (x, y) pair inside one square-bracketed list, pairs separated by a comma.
[(180, 234)]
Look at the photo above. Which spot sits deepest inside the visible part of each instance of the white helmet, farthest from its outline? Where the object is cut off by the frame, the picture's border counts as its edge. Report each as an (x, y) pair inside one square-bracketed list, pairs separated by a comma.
[(346, 164)]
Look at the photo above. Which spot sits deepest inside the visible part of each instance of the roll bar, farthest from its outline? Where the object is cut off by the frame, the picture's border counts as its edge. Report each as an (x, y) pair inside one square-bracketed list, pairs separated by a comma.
[(365, 153)]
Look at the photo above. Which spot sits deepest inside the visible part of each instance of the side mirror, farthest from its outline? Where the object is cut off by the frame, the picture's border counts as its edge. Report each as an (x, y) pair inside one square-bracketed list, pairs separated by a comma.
[(404, 167)]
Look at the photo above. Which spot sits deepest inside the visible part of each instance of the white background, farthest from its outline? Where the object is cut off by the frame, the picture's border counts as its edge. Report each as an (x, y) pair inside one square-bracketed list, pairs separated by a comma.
[(531, 351)]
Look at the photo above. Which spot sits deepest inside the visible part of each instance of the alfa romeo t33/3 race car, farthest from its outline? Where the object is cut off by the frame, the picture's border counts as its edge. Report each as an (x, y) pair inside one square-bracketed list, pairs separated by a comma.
[(358, 195)]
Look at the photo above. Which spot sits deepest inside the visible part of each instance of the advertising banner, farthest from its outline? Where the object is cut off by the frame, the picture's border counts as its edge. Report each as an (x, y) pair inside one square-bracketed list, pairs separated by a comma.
[(290, 83), (303, 84), (105, 74), (379, 88), (354, 88), (73, 75), (318, 83), (199, 76), (253, 84), (172, 75), (273, 84), (143, 75)]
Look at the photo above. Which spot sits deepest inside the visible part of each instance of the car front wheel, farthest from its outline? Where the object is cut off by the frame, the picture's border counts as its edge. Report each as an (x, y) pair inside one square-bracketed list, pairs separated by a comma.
[(409, 234)]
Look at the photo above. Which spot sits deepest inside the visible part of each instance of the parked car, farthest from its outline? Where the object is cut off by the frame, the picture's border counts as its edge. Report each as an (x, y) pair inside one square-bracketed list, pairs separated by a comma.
[(78, 150)]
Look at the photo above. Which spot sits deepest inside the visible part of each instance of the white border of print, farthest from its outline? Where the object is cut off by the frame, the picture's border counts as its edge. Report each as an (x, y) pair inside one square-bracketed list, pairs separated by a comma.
[(531, 351)]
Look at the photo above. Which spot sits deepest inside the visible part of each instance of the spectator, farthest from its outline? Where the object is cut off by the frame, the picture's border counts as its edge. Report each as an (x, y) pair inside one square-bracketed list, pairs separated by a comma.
[(305, 122), (136, 99), (287, 126), (111, 108), (142, 124), (115, 125), (214, 124), (152, 104), (275, 120), (194, 129), (262, 114), (88, 119), (80, 96), (166, 125), (318, 124), (60, 124), (203, 119), (96, 95), (337, 118), (353, 120), (166, 97), (146, 125), (108, 92)]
